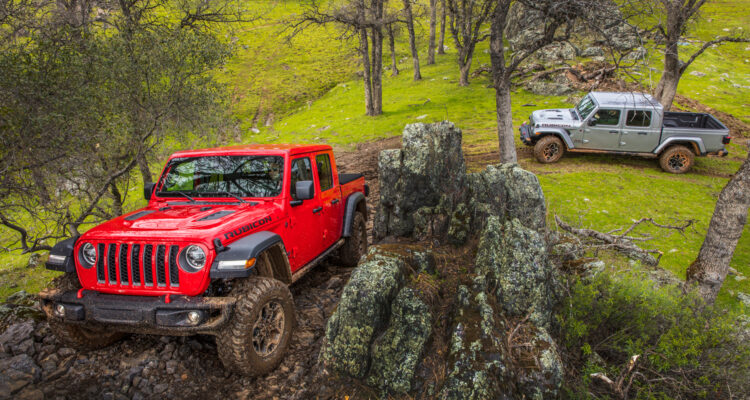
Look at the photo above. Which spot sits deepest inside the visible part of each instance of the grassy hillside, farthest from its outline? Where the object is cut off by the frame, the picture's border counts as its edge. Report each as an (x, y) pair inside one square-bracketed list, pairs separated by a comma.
[(310, 86)]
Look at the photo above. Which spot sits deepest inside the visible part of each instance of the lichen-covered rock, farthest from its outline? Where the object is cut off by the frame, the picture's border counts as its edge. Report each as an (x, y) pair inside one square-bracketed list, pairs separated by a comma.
[(397, 353), (512, 259), (507, 191), (427, 173), (541, 380), (363, 311), (476, 365)]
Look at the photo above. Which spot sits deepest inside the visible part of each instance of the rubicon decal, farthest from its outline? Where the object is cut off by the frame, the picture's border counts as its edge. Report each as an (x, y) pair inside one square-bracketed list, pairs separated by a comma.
[(243, 229)]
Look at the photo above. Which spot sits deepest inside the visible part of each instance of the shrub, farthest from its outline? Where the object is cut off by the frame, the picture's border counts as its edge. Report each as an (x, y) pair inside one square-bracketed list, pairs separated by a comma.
[(687, 350)]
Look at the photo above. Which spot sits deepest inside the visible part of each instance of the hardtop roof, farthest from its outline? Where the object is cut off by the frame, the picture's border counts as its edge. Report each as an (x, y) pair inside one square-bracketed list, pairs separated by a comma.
[(250, 149), (626, 99)]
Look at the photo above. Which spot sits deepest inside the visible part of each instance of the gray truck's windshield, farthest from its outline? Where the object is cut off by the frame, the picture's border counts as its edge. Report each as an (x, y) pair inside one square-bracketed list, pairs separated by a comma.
[(584, 107), (223, 176)]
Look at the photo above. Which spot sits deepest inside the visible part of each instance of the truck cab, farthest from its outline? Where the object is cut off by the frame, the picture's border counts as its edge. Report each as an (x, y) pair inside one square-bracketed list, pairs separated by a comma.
[(224, 233), (625, 123)]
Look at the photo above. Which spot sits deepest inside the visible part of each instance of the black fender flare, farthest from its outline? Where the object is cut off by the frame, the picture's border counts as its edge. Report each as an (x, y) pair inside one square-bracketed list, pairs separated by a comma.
[(230, 262), (62, 257), (560, 133), (351, 207)]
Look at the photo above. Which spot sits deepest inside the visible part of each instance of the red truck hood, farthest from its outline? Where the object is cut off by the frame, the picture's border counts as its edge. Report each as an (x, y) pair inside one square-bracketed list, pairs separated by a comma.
[(188, 222)]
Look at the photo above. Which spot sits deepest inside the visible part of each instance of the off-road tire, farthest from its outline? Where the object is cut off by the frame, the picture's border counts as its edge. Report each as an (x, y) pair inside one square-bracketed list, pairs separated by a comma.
[(549, 149), (676, 159), (235, 343), (355, 246), (79, 336)]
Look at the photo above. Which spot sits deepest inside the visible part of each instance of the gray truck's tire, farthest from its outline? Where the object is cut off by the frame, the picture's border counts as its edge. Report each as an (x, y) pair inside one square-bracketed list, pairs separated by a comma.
[(355, 245), (676, 159), (549, 149), (257, 337), (79, 336)]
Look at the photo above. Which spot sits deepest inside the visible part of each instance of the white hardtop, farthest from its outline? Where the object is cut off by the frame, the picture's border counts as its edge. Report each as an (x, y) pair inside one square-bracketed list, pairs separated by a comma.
[(625, 100)]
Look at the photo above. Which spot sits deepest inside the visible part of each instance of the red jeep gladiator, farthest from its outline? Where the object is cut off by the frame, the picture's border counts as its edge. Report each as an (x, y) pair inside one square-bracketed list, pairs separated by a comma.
[(224, 234)]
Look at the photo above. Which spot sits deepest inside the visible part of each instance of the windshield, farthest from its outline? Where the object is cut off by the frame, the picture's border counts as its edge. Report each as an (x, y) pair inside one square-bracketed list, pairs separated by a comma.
[(585, 107), (223, 176)]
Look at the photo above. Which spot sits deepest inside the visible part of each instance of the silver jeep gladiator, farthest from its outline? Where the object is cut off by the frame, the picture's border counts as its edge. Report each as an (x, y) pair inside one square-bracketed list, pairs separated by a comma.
[(625, 123)]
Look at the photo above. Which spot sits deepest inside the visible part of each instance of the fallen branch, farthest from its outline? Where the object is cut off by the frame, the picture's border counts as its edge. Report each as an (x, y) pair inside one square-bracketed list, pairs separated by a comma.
[(623, 242), (617, 387)]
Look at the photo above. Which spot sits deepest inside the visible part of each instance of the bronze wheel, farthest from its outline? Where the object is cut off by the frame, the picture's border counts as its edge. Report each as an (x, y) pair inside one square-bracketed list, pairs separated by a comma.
[(549, 149), (268, 329), (676, 159)]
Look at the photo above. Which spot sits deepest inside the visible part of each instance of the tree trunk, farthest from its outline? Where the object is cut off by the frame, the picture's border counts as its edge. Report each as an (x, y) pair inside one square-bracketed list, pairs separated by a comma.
[(377, 71), (666, 89), (143, 166), (392, 45), (464, 67), (41, 186), (501, 82), (433, 26), (441, 42), (412, 39), (709, 270), (364, 50), (116, 200)]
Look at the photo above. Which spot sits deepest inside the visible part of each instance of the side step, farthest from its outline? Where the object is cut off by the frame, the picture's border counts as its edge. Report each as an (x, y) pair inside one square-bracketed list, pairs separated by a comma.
[(305, 269)]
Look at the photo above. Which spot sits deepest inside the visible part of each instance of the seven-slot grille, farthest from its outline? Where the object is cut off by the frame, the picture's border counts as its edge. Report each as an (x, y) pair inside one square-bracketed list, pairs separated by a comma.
[(138, 265)]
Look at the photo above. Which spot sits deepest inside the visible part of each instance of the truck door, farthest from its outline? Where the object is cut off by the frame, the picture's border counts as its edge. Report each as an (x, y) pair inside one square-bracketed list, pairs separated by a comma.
[(330, 199), (305, 219), (640, 132), (602, 131)]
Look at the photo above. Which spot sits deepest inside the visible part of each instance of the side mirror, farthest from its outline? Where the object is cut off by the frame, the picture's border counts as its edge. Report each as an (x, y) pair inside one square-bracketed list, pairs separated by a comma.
[(148, 190), (592, 122), (305, 190)]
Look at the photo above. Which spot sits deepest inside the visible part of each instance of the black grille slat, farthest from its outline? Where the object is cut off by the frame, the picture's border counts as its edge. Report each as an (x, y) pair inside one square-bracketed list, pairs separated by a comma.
[(112, 263), (174, 274), (123, 264), (100, 263), (135, 264), (148, 272), (161, 272)]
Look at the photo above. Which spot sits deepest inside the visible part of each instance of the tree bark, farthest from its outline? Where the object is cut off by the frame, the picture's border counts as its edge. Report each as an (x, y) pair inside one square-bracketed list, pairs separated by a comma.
[(708, 271), (116, 199), (666, 89), (433, 27), (412, 39), (441, 42), (41, 186), (501, 81), (377, 71), (392, 45), (464, 68), (364, 50), (143, 166)]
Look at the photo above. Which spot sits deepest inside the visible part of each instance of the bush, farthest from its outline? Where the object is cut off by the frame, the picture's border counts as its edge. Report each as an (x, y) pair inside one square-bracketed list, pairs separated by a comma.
[(687, 350)]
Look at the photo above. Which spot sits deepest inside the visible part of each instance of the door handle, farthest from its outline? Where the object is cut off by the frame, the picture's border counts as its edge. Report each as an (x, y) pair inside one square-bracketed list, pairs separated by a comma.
[(317, 210), (643, 133), (614, 131), (335, 201)]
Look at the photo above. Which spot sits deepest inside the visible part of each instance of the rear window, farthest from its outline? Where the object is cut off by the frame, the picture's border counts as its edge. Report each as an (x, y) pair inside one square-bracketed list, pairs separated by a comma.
[(638, 118), (324, 171)]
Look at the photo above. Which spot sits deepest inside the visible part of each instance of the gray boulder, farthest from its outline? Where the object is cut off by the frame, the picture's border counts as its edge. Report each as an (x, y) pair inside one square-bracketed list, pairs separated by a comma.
[(507, 191), (512, 259), (13, 337), (426, 175), (396, 355), (542, 379), (593, 51), (546, 88), (16, 373)]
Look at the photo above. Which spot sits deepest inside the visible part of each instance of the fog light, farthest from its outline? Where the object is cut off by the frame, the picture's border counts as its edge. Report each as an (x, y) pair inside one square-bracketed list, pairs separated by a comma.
[(60, 310), (194, 317)]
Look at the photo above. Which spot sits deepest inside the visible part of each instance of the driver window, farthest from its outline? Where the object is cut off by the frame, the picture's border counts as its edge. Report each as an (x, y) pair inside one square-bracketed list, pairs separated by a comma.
[(607, 117), (301, 171)]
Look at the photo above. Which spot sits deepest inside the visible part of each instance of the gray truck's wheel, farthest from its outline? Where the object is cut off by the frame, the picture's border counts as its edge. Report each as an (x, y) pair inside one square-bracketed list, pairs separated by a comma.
[(355, 246), (676, 159), (549, 149), (258, 335), (79, 336)]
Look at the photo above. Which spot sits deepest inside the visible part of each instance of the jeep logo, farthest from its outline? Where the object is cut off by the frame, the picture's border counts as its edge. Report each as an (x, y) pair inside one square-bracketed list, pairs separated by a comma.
[(239, 231)]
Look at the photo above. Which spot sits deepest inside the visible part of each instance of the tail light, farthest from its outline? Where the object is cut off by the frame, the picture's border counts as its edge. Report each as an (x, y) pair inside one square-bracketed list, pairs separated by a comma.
[(726, 139)]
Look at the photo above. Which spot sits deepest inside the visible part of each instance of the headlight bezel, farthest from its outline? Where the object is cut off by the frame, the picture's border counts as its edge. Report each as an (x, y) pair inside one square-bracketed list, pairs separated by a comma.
[(188, 264), (83, 259)]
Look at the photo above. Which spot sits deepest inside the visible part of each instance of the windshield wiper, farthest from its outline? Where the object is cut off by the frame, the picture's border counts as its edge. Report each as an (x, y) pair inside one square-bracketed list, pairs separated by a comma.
[(192, 200)]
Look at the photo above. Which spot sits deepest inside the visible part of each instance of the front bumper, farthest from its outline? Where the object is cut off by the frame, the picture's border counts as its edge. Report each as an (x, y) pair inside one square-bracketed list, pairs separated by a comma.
[(139, 314), (526, 130)]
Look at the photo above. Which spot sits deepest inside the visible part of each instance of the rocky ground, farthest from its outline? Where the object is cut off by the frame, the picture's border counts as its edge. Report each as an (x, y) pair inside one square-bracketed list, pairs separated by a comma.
[(35, 365)]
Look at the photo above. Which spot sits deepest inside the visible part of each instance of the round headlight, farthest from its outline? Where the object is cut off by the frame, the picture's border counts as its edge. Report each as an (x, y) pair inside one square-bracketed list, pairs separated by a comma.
[(195, 257), (88, 253)]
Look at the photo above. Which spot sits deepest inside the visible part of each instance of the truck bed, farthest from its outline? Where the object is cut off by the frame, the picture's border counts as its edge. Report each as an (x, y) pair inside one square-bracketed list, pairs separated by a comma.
[(691, 120)]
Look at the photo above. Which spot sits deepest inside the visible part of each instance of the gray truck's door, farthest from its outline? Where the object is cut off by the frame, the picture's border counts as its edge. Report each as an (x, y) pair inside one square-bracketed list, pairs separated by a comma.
[(640, 131), (604, 134)]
